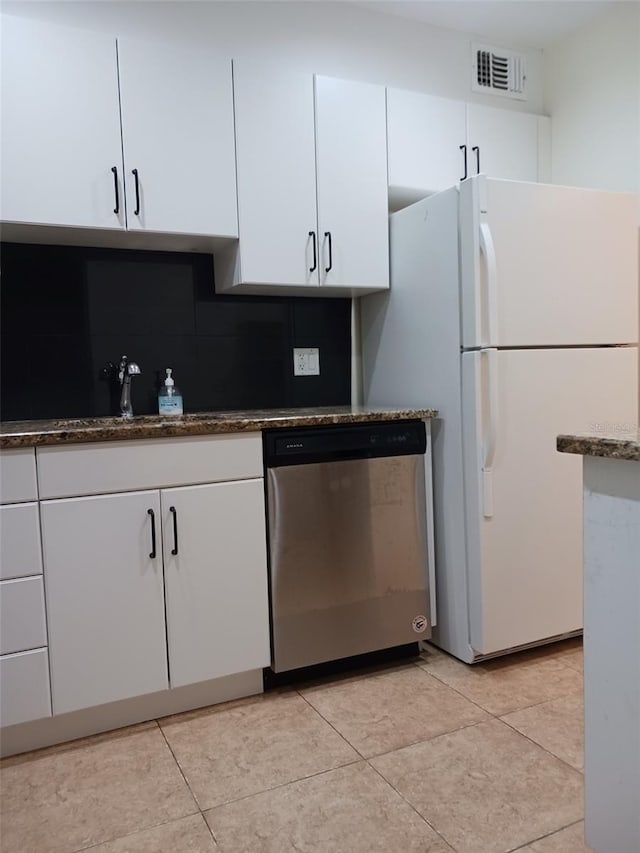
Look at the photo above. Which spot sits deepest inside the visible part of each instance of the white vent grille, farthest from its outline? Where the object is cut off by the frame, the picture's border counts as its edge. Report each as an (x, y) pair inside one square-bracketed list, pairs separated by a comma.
[(501, 72)]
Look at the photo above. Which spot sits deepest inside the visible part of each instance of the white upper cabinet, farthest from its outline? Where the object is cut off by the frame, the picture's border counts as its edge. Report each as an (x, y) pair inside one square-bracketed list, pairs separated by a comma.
[(351, 157), (312, 184), (424, 136), (505, 142), (61, 146), (275, 151), (434, 143), (177, 134), (85, 120)]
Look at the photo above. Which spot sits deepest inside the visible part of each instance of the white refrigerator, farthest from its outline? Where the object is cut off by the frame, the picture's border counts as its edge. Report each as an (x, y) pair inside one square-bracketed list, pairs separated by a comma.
[(513, 310)]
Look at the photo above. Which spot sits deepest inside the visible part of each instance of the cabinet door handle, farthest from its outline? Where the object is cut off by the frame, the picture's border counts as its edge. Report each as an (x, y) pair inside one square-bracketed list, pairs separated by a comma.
[(116, 209), (477, 150), (464, 148), (174, 513), (151, 513), (328, 269), (312, 234), (134, 172)]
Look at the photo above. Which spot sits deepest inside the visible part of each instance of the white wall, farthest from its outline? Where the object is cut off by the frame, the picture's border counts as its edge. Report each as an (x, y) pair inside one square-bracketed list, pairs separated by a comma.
[(332, 38), (592, 92)]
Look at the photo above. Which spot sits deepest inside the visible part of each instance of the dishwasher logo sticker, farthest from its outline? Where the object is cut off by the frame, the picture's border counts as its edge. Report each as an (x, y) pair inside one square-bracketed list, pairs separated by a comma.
[(419, 624)]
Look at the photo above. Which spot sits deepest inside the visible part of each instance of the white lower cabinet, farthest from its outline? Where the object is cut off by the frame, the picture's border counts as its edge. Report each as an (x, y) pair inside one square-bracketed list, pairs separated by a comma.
[(22, 619), (216, 580), (25, 693), (105, 598), (155, 589)]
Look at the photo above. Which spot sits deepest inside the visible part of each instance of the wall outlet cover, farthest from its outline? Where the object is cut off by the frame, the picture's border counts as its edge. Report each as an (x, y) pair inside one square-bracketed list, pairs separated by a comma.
[(306, 361)]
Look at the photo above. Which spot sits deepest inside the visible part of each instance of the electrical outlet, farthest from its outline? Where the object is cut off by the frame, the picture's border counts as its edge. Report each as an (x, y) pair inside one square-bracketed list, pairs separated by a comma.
[(306, 361)]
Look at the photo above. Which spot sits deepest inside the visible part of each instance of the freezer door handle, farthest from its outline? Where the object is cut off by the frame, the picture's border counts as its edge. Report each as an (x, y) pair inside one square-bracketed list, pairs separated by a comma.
[(488, 250), (491, 437)]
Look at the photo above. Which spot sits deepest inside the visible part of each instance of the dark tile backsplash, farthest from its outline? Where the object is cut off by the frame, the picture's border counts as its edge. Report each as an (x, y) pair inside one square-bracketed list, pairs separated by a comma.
[(67, 312)]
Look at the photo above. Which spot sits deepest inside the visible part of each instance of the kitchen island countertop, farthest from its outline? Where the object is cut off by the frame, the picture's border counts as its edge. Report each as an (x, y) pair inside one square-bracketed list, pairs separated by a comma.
[(613, 445), (40, 433)]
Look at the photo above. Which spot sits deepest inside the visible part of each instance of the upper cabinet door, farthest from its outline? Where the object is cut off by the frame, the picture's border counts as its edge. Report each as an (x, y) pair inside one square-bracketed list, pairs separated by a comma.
[(351, 152), (60, 127), (424, 135), (177, 130), (507, 142), (275, 152)]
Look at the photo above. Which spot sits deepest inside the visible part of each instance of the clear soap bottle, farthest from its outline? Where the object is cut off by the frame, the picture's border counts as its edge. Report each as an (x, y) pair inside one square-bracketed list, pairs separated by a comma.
[(169, 398)]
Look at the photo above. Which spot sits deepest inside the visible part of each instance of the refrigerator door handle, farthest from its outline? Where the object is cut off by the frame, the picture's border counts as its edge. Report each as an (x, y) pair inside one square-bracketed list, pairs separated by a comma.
[(488, 250), (491, 438)]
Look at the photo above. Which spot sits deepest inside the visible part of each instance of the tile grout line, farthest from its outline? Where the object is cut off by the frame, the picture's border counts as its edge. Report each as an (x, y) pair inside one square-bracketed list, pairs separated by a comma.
[(186, 782), (282, 785), (427, 740), (378, 773), (410, 804), (322, 717), (459, 728), (548, 751), (173, 755), (395, 749), (134, 832), (548, 835), (491, 713)]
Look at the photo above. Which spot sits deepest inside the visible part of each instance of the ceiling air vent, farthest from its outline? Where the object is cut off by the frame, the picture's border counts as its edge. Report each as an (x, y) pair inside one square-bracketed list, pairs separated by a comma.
[(498, 71)]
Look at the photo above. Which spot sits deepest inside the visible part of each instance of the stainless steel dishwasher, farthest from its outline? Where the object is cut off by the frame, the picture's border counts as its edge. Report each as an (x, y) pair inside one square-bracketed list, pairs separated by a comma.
[(347, 522)]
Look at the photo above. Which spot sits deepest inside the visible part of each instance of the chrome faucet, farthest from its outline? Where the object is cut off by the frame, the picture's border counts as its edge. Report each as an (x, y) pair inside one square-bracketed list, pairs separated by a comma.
[(126, 369)]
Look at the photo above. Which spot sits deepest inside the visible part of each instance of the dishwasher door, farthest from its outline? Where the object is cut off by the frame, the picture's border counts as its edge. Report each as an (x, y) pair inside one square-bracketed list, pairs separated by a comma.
[(348, 558)]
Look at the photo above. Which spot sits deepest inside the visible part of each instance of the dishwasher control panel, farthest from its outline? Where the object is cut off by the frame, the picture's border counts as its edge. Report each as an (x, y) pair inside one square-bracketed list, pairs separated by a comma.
[(350, 441)]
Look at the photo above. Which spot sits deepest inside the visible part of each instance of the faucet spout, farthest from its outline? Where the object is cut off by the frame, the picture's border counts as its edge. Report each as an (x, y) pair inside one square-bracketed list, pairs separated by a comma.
[(126, 370)]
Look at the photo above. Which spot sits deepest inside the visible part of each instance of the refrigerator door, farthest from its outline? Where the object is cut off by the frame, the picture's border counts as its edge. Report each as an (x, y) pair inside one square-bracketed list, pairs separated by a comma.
[(524, 516), (546, 265)]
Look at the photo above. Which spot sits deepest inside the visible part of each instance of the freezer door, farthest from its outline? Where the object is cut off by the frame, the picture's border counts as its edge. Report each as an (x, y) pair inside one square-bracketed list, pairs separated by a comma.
[(524, 514), (546, 265)]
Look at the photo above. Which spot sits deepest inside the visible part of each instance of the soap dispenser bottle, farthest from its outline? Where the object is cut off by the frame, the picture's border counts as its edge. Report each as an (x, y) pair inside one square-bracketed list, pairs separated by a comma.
[(169, 398)]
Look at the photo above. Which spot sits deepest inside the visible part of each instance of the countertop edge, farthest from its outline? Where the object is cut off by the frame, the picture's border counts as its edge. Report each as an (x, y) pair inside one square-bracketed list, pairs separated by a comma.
[(609, 447), (27, 434)]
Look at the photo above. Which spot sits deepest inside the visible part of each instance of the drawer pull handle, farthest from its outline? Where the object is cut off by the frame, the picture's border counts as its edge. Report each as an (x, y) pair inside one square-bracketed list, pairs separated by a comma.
[(151, 513), (174, 513)]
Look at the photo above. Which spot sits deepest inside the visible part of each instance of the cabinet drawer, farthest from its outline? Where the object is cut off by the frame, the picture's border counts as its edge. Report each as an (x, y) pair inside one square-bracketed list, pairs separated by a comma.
[(18, 475), (22, 620), (122, 466), (24, 687), (20, 552)]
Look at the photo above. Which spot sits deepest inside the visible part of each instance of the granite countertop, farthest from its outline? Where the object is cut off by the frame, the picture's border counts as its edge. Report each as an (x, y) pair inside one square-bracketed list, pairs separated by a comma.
[(614, 445), (78, 430)]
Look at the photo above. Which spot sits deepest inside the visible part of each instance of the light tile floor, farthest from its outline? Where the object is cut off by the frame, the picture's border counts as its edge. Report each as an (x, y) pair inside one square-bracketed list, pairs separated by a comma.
[(426, 756)]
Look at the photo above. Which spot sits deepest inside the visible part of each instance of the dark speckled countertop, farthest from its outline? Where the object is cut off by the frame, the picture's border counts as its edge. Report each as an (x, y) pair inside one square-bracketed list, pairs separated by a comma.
[(614, 445), (78, 430)]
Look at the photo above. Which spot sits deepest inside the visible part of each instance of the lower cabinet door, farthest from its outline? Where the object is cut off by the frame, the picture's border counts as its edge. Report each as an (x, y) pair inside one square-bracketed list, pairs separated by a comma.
[(216, 580), (105, 598), (24, 687)]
